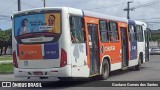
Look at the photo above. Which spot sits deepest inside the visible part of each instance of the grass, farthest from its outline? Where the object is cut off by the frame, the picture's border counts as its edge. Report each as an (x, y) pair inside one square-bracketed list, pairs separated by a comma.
[(6, 57), (6, 68)]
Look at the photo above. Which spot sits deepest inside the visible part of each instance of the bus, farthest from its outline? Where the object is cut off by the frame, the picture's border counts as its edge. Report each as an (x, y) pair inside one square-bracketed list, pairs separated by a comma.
[(143, 41), (139, 41), (65, 42)]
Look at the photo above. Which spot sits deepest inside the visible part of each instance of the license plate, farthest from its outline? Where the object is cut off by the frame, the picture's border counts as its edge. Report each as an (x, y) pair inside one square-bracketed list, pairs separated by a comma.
[(38, 73)]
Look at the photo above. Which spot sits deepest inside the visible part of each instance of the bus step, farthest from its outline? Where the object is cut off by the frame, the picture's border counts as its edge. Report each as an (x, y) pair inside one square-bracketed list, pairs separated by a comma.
[(124, 68), (95, 74)]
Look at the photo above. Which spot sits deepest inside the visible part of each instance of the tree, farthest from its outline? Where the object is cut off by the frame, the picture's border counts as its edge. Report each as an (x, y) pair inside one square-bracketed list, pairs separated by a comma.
[(5, 39), (155, 38)]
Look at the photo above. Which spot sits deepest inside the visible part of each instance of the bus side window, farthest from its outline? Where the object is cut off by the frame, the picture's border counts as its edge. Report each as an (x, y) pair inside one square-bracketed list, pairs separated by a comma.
[(132, 33), (139, 33), (77, 29), (104, 31), (113, 31)]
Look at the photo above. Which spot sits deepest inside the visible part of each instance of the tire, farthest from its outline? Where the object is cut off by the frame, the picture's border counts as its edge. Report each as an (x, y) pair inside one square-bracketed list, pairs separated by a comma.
[(105, 70), (138, 67)]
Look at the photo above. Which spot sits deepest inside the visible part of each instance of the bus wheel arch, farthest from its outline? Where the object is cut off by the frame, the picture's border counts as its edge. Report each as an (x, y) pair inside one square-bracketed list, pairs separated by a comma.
[(105, 68)]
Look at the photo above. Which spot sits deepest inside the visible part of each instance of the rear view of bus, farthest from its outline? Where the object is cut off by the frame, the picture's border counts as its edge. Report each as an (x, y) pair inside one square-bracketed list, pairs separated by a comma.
[(38, 43)]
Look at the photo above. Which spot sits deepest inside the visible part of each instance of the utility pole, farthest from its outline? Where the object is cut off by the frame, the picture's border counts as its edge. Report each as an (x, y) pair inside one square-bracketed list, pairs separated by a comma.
[(128, 9), (44, 3), (19, 5)]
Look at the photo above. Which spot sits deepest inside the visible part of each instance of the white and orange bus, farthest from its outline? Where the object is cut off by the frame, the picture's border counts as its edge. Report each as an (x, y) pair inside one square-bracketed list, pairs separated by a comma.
[(65, 42)]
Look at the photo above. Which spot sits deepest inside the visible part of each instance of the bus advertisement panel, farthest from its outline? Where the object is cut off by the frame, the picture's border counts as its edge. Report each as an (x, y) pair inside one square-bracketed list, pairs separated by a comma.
[(30, 28)]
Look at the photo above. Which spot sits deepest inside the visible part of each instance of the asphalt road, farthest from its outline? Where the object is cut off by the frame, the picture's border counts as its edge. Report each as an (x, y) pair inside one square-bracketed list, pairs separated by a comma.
[(150, 72)]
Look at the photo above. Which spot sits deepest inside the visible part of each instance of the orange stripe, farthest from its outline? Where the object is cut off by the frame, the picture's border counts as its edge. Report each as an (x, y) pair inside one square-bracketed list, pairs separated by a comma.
[(30, 52)]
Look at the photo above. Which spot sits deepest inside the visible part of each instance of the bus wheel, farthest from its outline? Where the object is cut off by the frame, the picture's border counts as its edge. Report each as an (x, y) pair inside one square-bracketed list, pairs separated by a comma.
[(138, 67), (105, 70)]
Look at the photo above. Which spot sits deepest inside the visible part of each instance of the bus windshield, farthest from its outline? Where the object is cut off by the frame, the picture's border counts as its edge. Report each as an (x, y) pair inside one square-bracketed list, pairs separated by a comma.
[(37, 27)]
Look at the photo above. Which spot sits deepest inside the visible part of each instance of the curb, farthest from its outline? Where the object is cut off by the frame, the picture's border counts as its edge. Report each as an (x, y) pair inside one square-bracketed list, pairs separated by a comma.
[(6, 73), (6, 61)]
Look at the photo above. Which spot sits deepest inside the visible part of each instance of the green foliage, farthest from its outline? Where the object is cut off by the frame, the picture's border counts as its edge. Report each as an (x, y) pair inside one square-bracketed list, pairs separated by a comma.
[(155, 38), (6, 35), (6, 68)]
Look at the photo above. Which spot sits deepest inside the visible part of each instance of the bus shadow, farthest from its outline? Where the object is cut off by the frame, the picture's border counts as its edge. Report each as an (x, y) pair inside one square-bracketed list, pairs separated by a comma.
[(82, 82), (71, 83), (121, 72)]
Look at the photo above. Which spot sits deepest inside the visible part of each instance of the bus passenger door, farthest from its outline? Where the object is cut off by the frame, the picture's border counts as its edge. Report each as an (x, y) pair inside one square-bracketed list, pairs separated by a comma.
[(93, 48), (125, 50), (146, 34)]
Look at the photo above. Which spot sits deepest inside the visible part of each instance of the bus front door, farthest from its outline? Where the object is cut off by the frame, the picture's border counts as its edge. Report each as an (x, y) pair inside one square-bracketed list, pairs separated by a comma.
[(93, 48), (124, 46)]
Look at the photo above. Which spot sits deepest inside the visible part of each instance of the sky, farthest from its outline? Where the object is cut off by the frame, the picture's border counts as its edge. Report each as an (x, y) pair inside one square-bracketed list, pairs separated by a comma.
[(145, 10)]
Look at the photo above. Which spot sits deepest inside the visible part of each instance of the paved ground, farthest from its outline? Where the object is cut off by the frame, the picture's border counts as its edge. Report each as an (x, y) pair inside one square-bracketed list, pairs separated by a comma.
[(149, 72)]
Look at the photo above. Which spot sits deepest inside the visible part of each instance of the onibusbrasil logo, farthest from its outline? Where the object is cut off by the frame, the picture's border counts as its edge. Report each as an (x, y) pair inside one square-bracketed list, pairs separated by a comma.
[(21, 84)]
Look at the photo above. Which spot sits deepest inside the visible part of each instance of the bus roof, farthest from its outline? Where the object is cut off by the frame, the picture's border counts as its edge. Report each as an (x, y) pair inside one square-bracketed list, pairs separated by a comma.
[(104, 16), (38, 9), (141, 23), (86, 13)]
